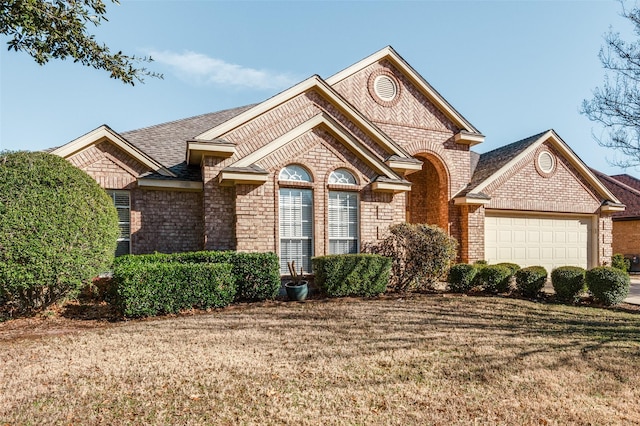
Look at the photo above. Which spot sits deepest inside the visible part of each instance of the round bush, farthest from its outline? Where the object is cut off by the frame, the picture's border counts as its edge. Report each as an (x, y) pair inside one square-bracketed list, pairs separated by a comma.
[(531, 280), (58, 228), (461, 277), (513, 267), (494, 278), (608, 285), (568, 282)]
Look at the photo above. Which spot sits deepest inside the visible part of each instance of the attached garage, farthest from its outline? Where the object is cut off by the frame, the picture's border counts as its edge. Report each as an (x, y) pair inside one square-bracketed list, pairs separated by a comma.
[(538, 239)]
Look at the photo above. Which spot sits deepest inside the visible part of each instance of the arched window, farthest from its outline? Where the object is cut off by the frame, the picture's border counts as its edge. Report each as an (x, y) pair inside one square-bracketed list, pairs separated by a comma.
[(296, 173), (342, 177), (296, 220)]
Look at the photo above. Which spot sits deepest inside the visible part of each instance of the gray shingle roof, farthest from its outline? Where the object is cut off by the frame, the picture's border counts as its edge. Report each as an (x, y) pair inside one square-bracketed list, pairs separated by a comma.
[(167, 142)]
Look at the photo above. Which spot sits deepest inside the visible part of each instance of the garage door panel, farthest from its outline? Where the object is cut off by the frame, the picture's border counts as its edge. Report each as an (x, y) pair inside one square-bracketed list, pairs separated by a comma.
[(549, 241)]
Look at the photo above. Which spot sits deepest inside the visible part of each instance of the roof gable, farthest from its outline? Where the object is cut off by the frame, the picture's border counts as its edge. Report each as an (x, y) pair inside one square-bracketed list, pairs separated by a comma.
[(494, 164), (389, 54), (103, 133), (321, 87)]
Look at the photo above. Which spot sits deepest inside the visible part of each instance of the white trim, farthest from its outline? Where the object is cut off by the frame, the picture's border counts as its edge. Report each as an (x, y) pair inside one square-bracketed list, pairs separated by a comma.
[(404, 167), (322, 88), (196, 150), (237, 177), (331, 125), (466, 138), (391, 186), (612, 209), (184, 185), (465, 201), (419, 81), (564, 149), (104, 132)]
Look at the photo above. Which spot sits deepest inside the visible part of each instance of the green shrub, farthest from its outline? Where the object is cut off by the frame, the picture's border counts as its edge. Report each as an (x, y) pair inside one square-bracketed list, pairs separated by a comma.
[(461, 277), (531, 280), (568, 282), (147, 289), (618, 261), (608, 285), (341, 275), (257, 275), (480, 263), (513, 267), (494, 278), (421, 255), (58, 229)]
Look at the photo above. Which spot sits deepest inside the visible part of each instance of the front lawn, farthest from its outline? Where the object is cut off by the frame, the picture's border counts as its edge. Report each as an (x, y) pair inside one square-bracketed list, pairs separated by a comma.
[(422, 359)]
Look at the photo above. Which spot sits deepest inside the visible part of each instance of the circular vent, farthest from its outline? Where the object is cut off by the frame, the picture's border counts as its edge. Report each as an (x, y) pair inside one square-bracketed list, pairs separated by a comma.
[(546, 163), (385, 87)]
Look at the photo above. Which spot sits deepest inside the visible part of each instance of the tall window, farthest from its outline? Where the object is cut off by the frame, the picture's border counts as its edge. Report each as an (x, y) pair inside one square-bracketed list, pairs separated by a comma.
[(122, 201), (343, 215), (296, 220)]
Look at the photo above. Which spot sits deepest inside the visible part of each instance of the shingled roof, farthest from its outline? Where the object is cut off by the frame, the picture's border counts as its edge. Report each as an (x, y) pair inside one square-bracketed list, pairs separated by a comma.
[(167, 142), (492, 161), (629, 196)]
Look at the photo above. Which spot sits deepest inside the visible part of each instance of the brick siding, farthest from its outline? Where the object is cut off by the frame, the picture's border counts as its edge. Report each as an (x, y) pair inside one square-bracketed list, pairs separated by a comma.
[(626, 236)]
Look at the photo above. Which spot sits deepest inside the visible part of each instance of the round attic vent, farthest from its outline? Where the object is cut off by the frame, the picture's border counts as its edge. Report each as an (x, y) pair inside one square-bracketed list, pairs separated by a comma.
[(385, 88), (546, 162)]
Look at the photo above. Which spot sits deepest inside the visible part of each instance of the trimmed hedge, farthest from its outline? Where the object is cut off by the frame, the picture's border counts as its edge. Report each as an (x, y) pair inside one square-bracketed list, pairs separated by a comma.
[(58, 229), (531, 280), (461, 277), (152, 288), (257, 275), (568, 282), (494, 278), (341, 275), (513, 267), (620, 262), (608, 285)]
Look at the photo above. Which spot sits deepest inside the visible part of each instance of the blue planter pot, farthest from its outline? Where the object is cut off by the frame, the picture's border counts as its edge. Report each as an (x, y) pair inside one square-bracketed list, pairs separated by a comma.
[(297, 292)]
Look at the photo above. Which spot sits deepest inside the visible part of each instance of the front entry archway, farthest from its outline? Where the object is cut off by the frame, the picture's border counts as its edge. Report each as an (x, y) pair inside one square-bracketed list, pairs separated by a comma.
[(428, 200)]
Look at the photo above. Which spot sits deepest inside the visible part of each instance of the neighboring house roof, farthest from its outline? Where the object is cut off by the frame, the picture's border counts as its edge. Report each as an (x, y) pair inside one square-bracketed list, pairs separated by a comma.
[(628, 195), (493, 164)]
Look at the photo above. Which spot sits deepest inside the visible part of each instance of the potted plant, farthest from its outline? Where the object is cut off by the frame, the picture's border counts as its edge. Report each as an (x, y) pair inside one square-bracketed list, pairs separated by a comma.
[(298, 287)]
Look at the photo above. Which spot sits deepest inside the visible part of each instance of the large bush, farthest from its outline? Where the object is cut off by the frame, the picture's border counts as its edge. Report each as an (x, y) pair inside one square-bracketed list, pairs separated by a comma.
[(152, 288), (531, 280), (421, 255), (568, 282), (352, 274), (256, 275), (462, 277), (608, 285), (494, 278), (58, 229)]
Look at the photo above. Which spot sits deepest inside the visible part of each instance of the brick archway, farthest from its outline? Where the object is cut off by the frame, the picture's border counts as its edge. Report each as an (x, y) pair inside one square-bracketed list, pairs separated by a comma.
[(428, 200)]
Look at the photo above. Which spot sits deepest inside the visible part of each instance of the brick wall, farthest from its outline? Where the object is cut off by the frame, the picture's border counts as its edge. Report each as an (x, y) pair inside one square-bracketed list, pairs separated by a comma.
[(605, 239), (166, 221), (626, 236), (219, 208)]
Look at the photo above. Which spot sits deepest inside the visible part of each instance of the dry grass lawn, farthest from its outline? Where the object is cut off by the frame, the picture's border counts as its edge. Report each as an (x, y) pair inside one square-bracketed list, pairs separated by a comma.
[(424, 359)]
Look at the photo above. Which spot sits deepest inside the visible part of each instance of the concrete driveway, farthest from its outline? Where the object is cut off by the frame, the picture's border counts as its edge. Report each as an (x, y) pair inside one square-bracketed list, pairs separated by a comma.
[(634, 291)]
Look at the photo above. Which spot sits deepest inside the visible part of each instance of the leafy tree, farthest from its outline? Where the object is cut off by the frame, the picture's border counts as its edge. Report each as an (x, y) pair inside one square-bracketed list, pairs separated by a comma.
[(58, 229), (616, 104), (57, 29)]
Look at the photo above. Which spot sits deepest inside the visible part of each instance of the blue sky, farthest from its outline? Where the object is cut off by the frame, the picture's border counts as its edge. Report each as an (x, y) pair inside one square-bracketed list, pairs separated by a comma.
[(512, 68)]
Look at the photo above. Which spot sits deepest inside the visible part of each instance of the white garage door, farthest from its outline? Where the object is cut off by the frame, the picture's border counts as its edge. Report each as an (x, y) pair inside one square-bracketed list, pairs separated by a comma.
[(538, 240)]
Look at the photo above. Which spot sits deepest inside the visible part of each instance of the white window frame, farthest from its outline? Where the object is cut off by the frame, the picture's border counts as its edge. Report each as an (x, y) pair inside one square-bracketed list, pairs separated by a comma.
[(335, 234), (292, 232), (123, 237)]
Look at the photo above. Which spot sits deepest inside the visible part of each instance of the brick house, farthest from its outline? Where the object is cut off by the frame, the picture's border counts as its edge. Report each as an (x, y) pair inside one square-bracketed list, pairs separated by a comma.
[(329, 164), (626, 224)]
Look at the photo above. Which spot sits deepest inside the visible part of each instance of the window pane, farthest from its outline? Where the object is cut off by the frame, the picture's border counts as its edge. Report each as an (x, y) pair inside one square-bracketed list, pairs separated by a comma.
[(122, 201), (295, 173), (296, 228), (343, 222), (343, 177)]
